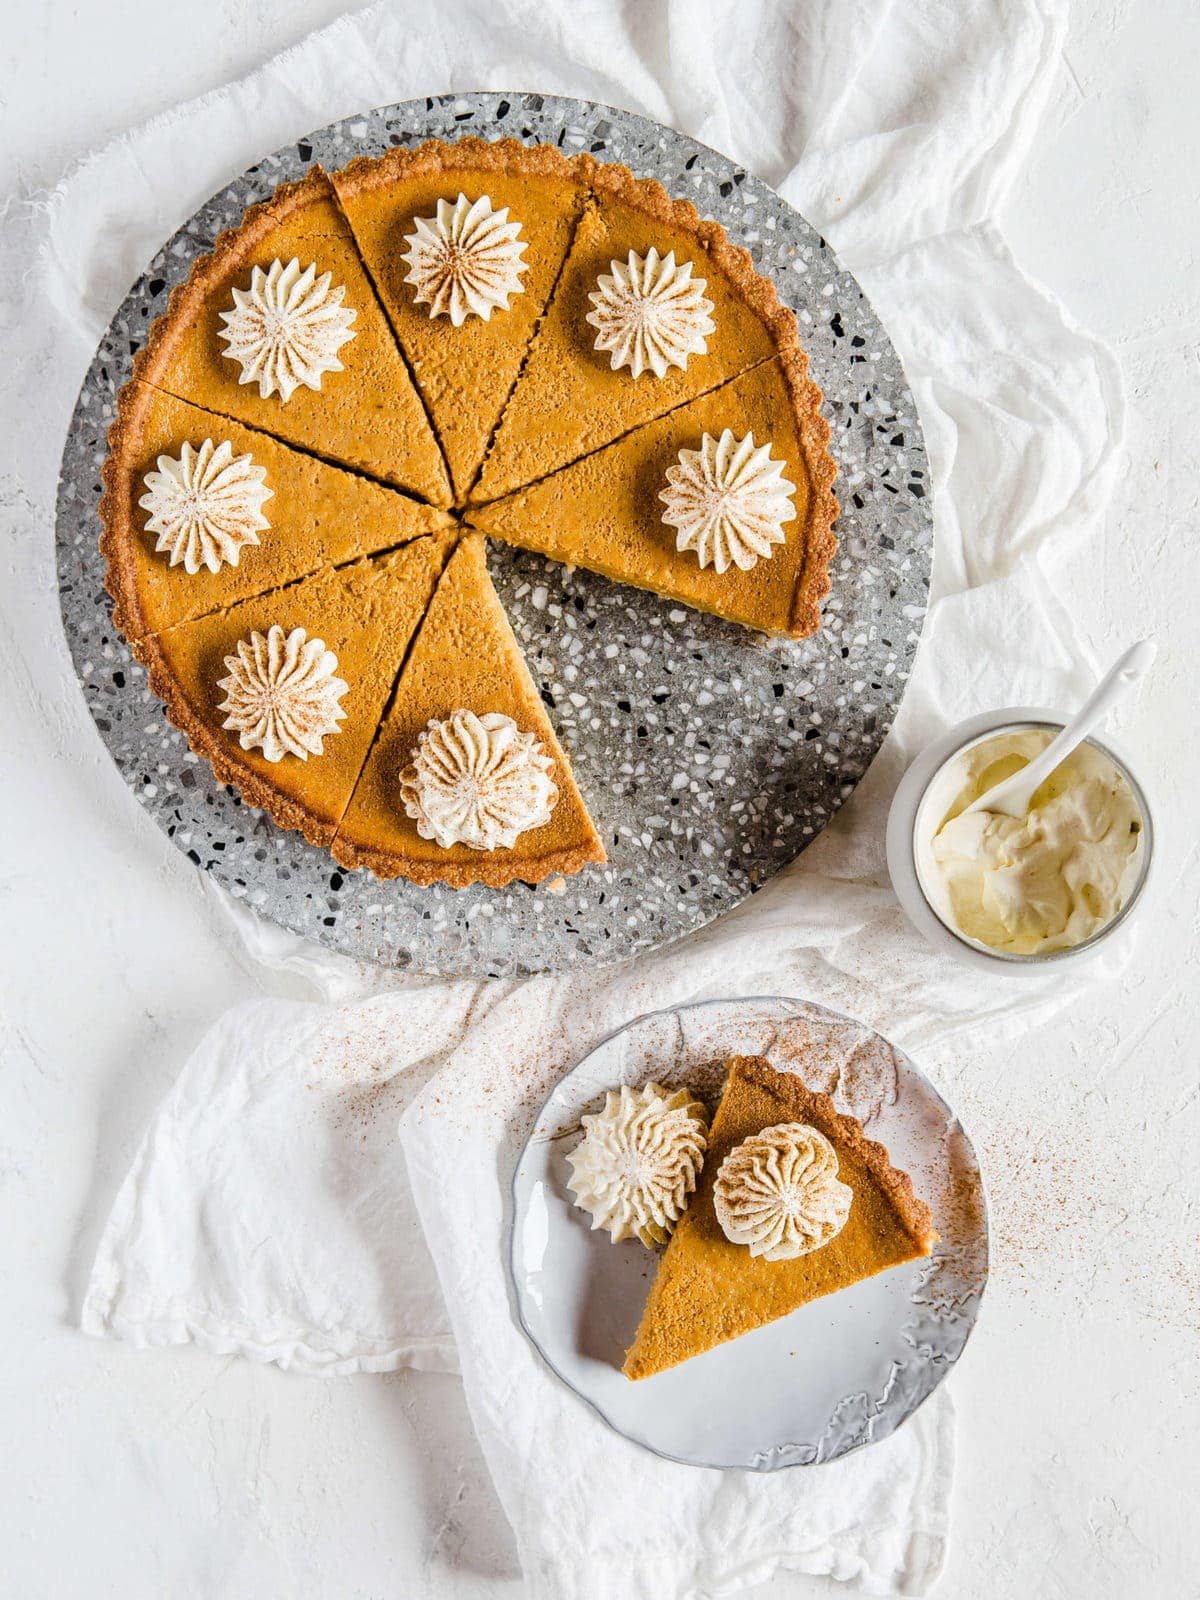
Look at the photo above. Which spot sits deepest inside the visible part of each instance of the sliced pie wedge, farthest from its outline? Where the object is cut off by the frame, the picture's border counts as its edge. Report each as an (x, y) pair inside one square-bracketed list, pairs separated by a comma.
[(366, 613), (464, 657), (708, 1290), (465, 373), (570, 400), (365, 412), (316, 515), (604, 512)]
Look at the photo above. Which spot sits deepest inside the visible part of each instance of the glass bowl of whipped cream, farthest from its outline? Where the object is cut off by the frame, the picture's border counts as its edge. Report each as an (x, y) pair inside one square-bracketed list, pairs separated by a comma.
[(1007, 893)]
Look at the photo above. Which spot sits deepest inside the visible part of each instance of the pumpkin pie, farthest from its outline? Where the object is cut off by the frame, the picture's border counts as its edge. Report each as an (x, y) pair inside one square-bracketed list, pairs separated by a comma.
[(465, 358), (709, 1290), (280, 328), (361, 380), (606, 511), (572, 398), (464, 660), (189, 530), (246, 658)]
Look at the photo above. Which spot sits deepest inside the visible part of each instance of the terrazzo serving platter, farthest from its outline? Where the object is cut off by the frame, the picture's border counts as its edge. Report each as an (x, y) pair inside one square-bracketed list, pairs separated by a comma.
[(709, 756), (840, 1373)]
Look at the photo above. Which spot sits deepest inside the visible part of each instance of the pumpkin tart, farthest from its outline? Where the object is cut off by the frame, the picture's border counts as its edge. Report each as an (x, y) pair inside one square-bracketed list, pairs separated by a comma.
[(571, 400), (464, 656), (369, 374), (362, 411), (315, 515), (465, 372), (605, 513), (709, 1290), (366, 614)]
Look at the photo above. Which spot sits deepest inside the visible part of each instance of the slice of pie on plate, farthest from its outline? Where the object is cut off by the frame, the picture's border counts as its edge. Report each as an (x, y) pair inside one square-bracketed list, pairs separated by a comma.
[(572, 398), (465, 280), (200, 512), (280, 328), (709, 1290), (289, 724), (464, 705), (607, 512)]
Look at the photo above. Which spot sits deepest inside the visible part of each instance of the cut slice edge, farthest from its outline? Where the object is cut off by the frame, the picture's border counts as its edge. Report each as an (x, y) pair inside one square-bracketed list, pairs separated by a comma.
[(698, 1260), (150, 423), (433, 351), (380, 599), (769, 324), (421, 468), (610, 494), (464, 656)]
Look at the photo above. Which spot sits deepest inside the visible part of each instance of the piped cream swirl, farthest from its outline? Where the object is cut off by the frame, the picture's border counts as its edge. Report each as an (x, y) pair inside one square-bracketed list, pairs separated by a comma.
[(651, 313), (285, 331), (639, 1160), (282, 695), (728, 502), (205, 506), (778, 1192), (466, 260), (478, 781)]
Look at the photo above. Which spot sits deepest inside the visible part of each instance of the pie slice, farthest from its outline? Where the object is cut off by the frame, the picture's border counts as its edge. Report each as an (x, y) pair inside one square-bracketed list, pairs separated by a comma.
[(353, 401), (464, 658), (295, 513), (366, 614), (465, 372), (604, 512), (571, 399), (708, 1290)]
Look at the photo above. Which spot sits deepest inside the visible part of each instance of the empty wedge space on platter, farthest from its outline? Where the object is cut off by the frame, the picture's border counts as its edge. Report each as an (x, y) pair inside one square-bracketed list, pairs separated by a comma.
[(365, 615), (465, 657), (570, 399), (465, 369), (280, 328), (200, 512), (604, 512)]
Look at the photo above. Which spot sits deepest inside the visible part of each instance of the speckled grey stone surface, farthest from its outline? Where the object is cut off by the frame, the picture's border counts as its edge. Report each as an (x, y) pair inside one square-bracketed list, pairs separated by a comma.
[(708, 756)]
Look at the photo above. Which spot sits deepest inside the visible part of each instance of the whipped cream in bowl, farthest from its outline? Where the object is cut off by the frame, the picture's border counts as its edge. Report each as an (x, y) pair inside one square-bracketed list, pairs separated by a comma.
[(1013, 892)]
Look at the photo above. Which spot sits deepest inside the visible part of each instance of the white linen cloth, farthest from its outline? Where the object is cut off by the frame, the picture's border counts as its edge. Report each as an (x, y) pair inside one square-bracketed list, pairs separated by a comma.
[(267, 1212)]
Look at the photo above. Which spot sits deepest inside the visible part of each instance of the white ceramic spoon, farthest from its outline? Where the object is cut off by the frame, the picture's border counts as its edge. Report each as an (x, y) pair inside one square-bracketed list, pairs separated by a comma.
[(1012, 797)]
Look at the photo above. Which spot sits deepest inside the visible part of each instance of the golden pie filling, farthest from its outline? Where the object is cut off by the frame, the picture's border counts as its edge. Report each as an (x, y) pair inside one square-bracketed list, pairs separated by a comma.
[(373, 374), (794, 1202)]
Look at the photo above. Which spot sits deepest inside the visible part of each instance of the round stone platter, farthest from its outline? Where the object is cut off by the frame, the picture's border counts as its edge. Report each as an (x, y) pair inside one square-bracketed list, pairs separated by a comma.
[(709, 756)]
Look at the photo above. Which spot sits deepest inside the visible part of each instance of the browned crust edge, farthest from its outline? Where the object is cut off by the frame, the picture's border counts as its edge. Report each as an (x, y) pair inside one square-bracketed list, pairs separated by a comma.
[(819, 1110), (198, 731), (118, 530), (148, 364), (366, 173), (760, 295), (492, 873), (489, 870), (187, 297)]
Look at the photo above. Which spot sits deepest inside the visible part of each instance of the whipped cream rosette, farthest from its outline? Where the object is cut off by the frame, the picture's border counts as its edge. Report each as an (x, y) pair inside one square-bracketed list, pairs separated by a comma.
[(285, 331), (466, 260), (205, 506), (778, 1192), (651, 313), (728, 502), (282, 694), (639, 1160), (478, 781)]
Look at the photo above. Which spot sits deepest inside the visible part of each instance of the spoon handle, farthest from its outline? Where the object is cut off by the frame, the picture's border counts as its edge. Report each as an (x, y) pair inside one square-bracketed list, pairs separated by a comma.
[(1013, 795)]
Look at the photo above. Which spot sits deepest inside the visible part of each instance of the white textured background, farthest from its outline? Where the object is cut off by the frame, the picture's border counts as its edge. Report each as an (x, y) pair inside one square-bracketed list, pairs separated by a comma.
[(171, 1474)]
